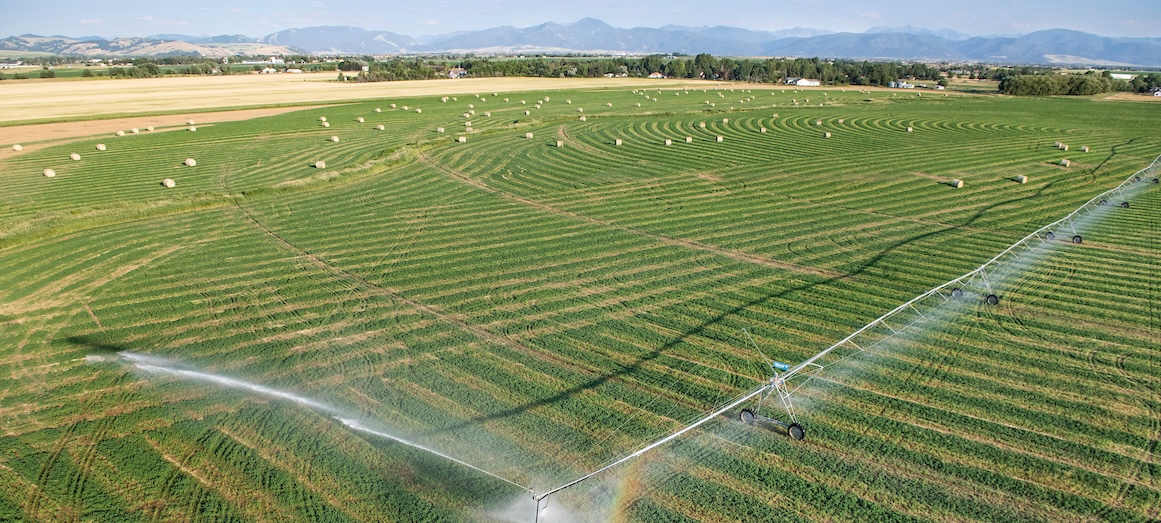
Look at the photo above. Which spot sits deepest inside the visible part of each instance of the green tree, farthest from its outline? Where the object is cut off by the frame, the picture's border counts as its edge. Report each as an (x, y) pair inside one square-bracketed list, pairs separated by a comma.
[(87, 73)]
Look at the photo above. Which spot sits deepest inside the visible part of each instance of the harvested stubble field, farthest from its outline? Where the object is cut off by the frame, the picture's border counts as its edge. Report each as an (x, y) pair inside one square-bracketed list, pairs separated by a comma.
[(539, 311)]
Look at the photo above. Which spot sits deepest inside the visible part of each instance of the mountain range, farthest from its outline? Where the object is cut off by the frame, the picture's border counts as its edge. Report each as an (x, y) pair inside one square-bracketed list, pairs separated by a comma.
[(1053, 46)]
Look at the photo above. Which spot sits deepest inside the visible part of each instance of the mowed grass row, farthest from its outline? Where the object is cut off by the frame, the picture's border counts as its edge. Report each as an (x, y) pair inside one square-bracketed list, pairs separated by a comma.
[(529, 332)]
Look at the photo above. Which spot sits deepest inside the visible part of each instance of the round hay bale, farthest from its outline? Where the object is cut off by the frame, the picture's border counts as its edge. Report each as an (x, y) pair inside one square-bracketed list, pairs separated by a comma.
[(471, 106), (418, 110), (668, 142), (528, 135), (584, 119), (192, 129), (322, 118), (360, 119), (381, 127), (135, 130), (826, 135), (189, 122), (505, 99), (763, 130), (725, 120), (721, 139), (526, 113), (775, 115), (17, 147), (568, 101), (1065, 163), (454, 99), (610, 104), (1021, 179), (818, 122), (841, 120), (439, 129), (487, 115), (169, 183), (580, 109), (190, 162), (320, 165), (1063, 147), (545, 98), (638, 104), (150, 128), (75, 157), (405, 108), (378, 110), (462, 139), (1084, 149), (909, 129), (326, 124), (688, 139), (523, 102), (957, 184), (335, 139), (49, 173), (472, 111), (120, 133), (702, 125), (467, 124), (560, 143), (392, 106), (617, 141)]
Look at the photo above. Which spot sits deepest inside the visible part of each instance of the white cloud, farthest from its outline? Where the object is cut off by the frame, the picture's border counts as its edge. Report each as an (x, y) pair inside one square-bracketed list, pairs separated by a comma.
[(430, 22), (88, 21)]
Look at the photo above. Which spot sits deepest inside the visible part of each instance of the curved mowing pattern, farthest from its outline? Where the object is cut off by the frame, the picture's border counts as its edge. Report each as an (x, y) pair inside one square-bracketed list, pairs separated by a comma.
[(540, 312)]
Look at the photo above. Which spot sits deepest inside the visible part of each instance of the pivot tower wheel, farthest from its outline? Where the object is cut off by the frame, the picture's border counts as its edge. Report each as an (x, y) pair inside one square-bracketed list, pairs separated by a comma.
[(993, 299), (747, 416), (1050, 236), (1077, 239), (796, 431)]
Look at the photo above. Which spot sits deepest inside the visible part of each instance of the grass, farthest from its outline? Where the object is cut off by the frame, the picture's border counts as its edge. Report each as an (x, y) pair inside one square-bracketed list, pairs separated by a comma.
[(540, 311)]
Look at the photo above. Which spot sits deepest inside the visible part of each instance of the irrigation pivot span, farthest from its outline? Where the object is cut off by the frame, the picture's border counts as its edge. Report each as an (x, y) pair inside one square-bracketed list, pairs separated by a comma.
[(980, 281)]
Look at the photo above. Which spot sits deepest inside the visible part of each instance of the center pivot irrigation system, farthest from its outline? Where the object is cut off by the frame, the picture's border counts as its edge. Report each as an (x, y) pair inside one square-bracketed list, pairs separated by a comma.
[(786, 380)]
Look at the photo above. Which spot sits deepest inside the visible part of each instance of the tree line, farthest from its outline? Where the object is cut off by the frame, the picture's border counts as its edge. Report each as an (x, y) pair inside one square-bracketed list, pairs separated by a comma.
[(1088, 83)]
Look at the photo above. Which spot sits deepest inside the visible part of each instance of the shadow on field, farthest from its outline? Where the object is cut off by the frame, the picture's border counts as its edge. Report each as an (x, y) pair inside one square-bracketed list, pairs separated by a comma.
[(636, 365)]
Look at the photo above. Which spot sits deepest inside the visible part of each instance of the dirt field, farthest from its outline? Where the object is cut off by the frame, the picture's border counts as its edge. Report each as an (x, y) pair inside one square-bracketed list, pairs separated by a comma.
[(50, 100)]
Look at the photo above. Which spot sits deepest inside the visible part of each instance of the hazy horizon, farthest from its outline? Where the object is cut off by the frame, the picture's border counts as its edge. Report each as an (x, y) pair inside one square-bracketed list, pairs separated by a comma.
[(255, 18)]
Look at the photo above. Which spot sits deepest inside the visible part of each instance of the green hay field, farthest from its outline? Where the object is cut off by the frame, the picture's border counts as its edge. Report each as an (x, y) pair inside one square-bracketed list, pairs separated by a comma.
[(540, 311)]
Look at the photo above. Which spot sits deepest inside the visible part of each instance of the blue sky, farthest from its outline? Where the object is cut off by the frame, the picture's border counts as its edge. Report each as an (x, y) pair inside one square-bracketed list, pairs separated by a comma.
[(420, 17)]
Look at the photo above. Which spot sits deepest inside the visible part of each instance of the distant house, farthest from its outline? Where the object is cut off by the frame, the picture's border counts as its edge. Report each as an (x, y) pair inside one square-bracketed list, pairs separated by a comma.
[(269, 70), (802, 82), (901, 85), (11, 65), (1122, 76), (1157, 92), (656, 75), (457, 72), (295, 71)]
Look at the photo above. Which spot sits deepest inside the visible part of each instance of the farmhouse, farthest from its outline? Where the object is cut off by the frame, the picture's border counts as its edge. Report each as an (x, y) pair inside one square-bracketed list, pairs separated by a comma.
[(901, 85), (1156, 91), (13, 65), (457, 72), (656, 75), (802, 82)]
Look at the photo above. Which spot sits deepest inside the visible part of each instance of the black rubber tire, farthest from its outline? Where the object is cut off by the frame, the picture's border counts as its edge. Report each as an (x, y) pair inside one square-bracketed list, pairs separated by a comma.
[(747, 416), (1137, 178), (1155, 180), (1104, 202), (1124, 205), (1077, 239), (1050, 236), (992, 299), (957, 293), (796, 432)]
